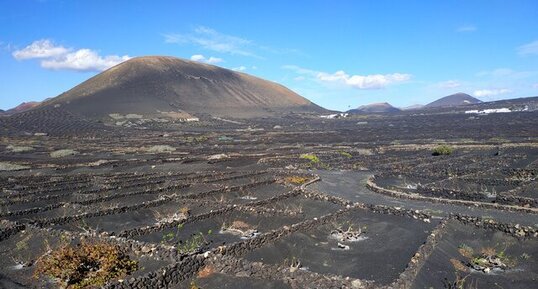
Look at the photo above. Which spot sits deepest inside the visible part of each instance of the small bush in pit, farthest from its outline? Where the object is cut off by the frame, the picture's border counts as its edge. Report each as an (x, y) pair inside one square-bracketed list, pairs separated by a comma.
[(442, 150), (161, 218), (241, 229), (294, 264), (486, 260), (86, 265), (185, 211), (296, 180), (346, 233), (193, 244)]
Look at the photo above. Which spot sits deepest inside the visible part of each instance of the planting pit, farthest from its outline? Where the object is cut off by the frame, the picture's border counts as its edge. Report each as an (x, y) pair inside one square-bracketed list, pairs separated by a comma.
[(250, 224), (382, 250), (447, 260), (174, 210)]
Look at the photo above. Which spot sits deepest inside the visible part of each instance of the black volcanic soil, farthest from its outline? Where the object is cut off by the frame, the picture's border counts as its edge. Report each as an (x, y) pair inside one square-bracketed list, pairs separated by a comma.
[(150, 188)]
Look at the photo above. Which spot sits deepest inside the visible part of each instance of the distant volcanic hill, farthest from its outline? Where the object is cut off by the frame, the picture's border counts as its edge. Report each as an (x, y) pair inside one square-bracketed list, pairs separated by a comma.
[(23, 107), (381, 107), (453, 100), (171, 87)]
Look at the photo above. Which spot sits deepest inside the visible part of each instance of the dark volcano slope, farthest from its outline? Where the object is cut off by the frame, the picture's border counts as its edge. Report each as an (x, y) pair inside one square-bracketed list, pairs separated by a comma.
[(154, 85), (456, 99)]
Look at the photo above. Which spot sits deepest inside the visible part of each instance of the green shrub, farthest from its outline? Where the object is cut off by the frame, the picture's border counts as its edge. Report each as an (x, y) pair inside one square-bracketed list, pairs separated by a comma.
[(193, 244), (311, 157), (345, 154), (442, 150)]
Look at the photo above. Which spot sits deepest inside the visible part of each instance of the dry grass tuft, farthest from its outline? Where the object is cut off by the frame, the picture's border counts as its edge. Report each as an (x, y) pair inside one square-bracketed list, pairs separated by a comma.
[(240, 225), (466, 251), (296, 180), (206, 271), (458, 265)]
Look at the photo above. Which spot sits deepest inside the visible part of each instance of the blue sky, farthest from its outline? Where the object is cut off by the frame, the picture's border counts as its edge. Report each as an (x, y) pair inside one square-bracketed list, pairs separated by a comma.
[(339, 54)]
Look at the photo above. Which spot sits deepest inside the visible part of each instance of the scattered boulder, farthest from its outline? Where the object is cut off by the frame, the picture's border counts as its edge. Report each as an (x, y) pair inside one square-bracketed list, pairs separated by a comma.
[(161, 149), (19, 149), (217, 157), (7, 166), (63, 153)]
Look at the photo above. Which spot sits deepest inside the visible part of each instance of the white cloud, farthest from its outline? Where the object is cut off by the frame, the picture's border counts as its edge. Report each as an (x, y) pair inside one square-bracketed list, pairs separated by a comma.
[(491, 92), (449, 84), (528, 49), (43, 48), (373, 81), (58, 57), (210, 60), (240, 68), (466, 28), (210, 39), (197, 57), (83, 60), (535, 85)]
